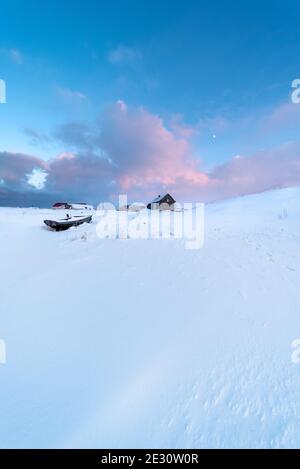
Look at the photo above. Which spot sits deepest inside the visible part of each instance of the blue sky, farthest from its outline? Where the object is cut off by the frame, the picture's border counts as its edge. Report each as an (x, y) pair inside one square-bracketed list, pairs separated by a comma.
[(216, 75)]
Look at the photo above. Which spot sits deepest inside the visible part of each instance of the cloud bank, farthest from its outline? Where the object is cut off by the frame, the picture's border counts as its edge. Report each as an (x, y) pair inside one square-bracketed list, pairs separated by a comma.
[(132, 151)]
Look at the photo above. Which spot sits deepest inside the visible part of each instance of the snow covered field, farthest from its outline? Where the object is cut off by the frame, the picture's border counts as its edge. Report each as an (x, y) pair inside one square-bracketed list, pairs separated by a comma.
[(142, 343)]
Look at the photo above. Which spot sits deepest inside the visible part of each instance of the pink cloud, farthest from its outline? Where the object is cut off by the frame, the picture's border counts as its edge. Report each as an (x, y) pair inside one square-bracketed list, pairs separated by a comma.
[(275, 168), (145, 151), (285, 115)]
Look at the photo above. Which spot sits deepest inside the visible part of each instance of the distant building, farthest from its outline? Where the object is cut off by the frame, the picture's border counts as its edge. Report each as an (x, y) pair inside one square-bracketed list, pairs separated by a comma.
[(62, 205), (164, 202), (76, 206)]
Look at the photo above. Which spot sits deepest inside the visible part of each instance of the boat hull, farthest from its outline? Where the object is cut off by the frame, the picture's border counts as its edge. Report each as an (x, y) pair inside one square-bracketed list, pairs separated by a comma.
[(62, 225)]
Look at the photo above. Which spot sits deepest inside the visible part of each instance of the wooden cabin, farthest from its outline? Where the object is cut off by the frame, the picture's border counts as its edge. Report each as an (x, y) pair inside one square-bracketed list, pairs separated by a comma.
[(164, 202)]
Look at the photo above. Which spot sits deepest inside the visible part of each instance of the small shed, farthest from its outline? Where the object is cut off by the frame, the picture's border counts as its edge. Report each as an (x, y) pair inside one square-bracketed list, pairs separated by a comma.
[(61, 205), (162, 202)]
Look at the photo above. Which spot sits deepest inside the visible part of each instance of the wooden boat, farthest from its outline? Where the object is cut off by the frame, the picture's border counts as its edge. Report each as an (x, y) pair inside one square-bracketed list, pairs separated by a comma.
[(68, 222)]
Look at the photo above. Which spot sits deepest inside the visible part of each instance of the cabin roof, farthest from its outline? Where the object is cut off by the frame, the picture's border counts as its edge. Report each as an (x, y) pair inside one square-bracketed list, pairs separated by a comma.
[(161, 197)]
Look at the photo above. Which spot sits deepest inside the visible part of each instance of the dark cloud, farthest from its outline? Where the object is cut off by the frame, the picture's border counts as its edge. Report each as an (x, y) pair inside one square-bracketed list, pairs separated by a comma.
[(76, 135), (14, 168), (84, 175), (35, 137)]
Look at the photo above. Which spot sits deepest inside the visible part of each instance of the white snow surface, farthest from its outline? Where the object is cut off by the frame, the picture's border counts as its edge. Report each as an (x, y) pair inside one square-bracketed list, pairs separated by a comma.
[(142, 343)]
